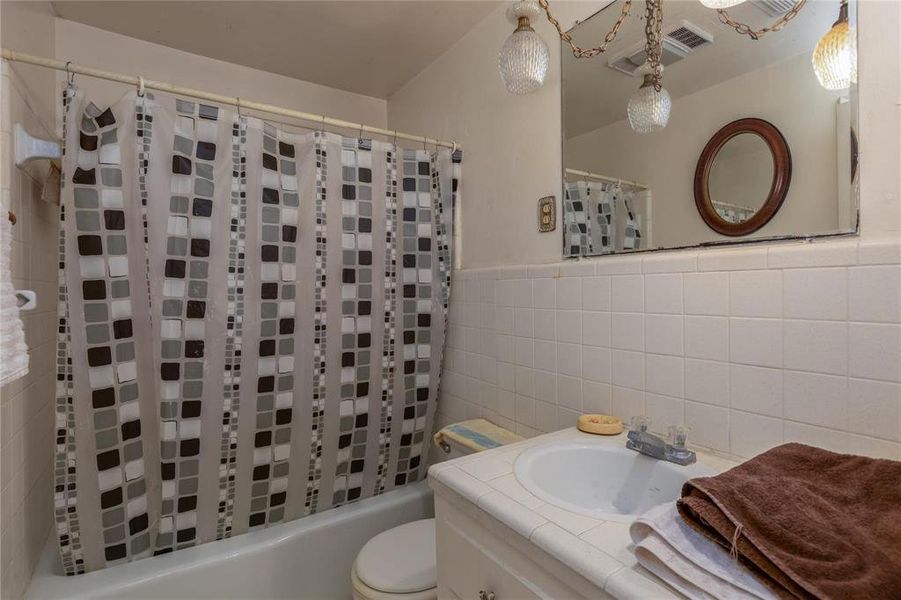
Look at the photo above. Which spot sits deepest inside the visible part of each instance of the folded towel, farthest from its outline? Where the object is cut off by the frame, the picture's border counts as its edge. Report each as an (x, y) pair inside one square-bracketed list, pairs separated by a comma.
[(477, 435), (671, 549), (13, 350), (809, 522)]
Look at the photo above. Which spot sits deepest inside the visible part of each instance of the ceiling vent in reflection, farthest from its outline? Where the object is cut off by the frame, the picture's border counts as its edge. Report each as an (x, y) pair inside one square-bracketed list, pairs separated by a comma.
[(679, 42), (774, 8)]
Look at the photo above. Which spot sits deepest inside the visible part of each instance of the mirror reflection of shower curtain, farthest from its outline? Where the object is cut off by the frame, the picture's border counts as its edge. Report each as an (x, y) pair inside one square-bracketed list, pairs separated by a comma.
[(602, 218)]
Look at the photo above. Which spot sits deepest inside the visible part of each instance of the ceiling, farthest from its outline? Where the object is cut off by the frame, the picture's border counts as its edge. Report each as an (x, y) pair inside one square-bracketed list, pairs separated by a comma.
[(595, 95), (367, 47)]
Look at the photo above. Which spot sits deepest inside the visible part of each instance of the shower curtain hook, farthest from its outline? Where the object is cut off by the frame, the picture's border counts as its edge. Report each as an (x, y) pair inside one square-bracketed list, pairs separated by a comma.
[(454, 148), (322, 125), (70, 76), (360, 134), (395, 138), (140, 86), (238, 105)]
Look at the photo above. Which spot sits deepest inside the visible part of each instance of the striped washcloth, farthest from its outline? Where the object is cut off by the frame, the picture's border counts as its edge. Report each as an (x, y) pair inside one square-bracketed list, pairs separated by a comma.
[(477, 435)]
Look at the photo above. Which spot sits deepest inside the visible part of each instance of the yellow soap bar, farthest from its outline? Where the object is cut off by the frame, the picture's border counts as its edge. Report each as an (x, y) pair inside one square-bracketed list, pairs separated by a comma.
[(600, 424)]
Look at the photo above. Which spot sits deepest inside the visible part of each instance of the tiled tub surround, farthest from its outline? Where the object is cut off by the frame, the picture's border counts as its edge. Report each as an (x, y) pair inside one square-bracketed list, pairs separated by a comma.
[(484, 487), (750, 347)]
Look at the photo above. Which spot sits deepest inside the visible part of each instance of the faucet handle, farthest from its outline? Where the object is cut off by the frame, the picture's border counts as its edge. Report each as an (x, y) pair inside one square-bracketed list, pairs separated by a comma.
[(678, 435), (640, 423)]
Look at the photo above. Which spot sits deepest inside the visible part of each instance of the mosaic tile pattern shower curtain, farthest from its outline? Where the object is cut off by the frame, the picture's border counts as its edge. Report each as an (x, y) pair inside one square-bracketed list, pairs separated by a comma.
[(252, 321)]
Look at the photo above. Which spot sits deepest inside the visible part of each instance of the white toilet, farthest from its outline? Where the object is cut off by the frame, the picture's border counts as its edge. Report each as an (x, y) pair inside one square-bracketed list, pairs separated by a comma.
[(400, 564)]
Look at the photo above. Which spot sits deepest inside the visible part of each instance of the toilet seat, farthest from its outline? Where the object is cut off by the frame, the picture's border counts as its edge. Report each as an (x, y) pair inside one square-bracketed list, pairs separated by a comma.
[(398, 563)]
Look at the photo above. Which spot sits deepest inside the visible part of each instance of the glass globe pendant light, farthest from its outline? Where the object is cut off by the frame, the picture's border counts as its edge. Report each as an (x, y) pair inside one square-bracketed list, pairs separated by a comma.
[(721, 4), (835, 56), (523, 59), (649, 108)]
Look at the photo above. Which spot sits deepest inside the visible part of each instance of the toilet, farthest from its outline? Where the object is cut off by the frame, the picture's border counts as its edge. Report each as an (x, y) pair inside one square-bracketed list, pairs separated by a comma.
[(399, 564)]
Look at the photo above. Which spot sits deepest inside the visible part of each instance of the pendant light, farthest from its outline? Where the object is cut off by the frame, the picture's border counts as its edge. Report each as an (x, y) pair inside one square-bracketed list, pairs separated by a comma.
[(835, 56), (649, 108), (523, 59)]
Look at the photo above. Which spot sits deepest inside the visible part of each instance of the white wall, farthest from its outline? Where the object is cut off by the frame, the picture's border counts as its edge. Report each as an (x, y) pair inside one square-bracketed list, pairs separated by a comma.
[(27, 405), (113, 52), (512, 144), (786, 94)]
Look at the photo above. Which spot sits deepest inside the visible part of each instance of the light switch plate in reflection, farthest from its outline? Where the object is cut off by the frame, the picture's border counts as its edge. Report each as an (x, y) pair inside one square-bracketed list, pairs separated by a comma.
[(547, 214)]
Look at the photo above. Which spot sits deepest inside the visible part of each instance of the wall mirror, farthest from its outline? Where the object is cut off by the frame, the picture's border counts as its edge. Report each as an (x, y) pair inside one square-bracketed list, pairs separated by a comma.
[(755, 147)]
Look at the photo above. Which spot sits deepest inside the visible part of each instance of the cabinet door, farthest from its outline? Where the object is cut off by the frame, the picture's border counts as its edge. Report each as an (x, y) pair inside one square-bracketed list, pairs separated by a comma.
[(467, 569)]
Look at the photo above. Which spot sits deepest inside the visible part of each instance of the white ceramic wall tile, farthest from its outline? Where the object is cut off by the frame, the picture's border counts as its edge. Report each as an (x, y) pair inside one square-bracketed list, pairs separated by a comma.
[(596, 364), (596, 397), (663, 334), (707, 381), (816, 294), (569, 293), (755, 293), (545, 293), (707, 337), (628, 369), (816, 399), (664, 411), (756, 342), (875, 408), (756, 390), (809, 352), (663, 293), (706, 293), (627, 331), (752, 434), (628, 293), (596, 328), (875, 351), (875, 293), (569, 326), (596, 293), (820, 346), (664, 375), (709, 425)]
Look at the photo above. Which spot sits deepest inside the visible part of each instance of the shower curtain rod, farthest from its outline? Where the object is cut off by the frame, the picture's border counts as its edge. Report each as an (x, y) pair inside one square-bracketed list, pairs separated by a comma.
[(606, 178), (161, 86)]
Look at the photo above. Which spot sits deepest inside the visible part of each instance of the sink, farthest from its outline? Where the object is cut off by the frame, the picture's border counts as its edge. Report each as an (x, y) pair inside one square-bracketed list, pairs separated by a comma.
[(601, 480)]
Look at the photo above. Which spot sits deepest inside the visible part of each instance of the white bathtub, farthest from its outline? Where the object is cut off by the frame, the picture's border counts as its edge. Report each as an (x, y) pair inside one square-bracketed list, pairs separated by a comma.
[(307, 558)]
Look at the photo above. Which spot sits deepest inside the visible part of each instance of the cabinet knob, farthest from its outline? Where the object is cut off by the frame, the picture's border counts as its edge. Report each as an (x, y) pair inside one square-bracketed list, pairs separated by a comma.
[(483, 595)]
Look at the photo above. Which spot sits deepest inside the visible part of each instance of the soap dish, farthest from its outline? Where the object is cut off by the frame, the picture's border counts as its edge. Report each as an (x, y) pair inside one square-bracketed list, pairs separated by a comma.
[(600, 424)]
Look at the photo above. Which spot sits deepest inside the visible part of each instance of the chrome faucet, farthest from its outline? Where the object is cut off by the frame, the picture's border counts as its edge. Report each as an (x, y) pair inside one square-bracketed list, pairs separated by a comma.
[(641, 440)]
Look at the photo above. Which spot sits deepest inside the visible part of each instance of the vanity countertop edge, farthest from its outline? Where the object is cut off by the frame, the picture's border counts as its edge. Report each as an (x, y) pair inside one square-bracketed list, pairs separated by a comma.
[(598, 550)]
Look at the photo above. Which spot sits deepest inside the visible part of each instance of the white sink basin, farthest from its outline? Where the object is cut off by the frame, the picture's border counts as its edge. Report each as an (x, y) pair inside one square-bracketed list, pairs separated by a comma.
[(601, 480)]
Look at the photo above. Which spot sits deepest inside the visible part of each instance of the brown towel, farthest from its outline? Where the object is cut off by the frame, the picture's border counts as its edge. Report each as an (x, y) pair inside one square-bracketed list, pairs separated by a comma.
[(809, 522)]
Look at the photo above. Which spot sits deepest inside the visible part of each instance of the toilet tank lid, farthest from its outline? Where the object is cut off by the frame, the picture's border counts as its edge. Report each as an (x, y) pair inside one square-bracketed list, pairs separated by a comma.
[(400, 560)]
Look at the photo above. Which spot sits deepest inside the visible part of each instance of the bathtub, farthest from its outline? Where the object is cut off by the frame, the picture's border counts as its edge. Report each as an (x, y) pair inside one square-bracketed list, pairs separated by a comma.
[(306, 558)]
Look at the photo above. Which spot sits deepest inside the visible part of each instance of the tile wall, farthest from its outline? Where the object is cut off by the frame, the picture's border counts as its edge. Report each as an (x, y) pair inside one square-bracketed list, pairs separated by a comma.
[(750, 347), (29, 96)]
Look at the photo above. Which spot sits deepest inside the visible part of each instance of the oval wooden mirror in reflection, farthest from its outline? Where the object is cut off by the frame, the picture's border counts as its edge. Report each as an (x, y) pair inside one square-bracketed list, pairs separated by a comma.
[(742, 177)]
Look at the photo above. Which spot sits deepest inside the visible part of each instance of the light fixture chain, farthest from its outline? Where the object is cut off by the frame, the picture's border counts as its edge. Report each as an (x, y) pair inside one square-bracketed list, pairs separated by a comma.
[(578, 51), (653, 39), (756, 34)]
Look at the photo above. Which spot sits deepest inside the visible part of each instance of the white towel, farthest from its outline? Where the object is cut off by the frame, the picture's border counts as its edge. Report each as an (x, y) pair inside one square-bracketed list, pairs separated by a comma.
[(13, 351), (699, 568)]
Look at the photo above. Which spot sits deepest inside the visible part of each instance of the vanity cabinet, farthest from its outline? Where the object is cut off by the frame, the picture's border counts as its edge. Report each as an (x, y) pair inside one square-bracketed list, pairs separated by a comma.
[(483, 560)]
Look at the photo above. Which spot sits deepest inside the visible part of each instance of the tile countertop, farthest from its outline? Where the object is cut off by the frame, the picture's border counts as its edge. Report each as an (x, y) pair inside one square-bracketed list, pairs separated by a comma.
[(598, 550)]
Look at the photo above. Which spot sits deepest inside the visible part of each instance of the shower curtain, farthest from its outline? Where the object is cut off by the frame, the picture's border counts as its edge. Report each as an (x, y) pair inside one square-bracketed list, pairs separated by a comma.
[(252, 321), (602, 217)]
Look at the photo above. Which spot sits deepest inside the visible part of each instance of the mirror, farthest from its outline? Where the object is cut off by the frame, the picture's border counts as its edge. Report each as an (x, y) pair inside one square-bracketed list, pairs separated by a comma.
[(742, 177), (626, 191)]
